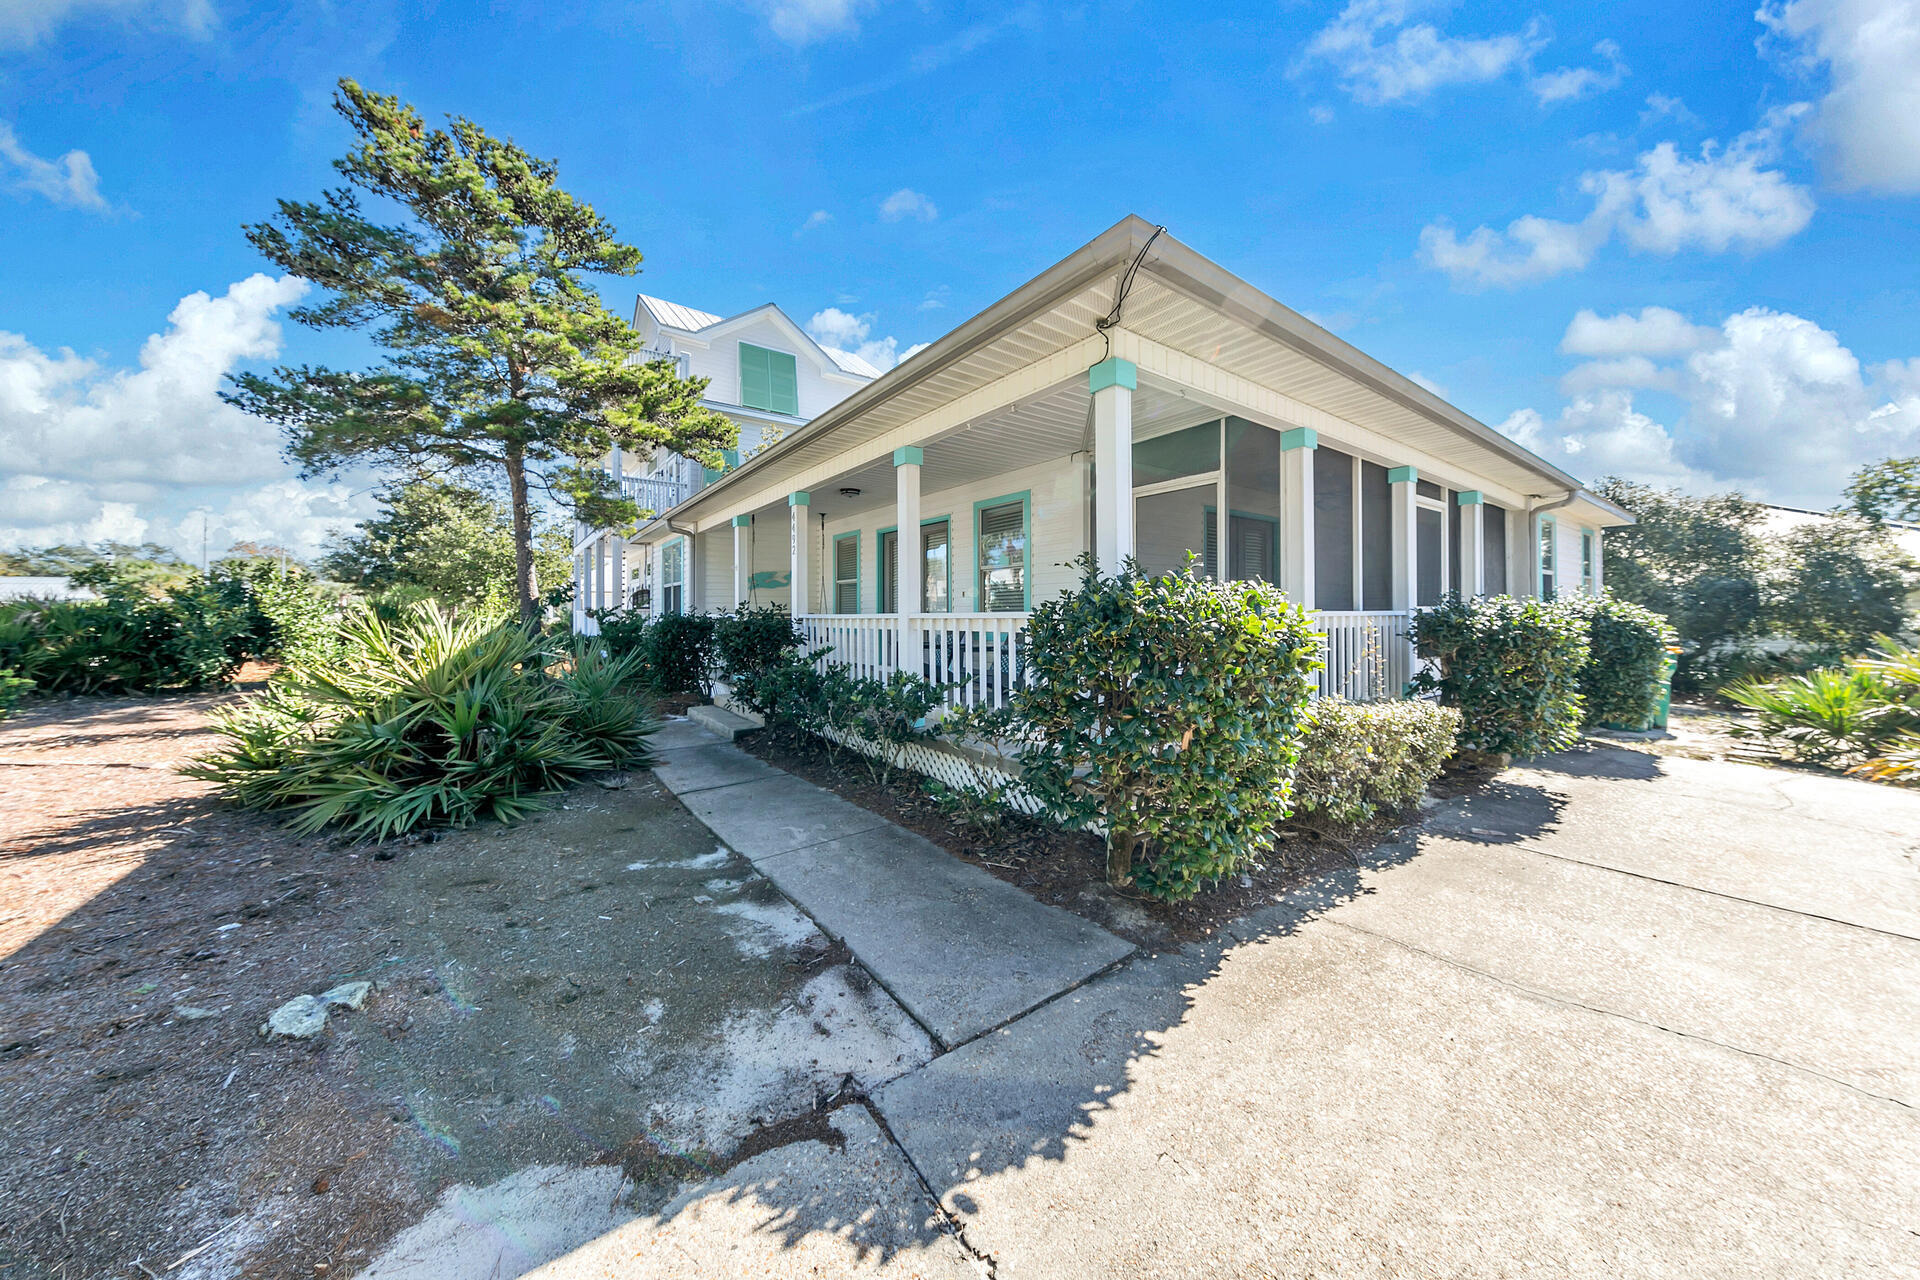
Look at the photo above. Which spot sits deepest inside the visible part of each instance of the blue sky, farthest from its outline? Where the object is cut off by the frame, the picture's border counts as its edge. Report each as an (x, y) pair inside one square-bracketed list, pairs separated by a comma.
[(1673, 242)]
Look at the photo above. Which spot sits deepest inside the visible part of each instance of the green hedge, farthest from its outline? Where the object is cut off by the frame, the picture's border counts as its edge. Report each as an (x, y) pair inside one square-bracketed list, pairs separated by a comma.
[(1627, 648), (675, 651), (1168, 709), (1359, 760), (749, 641), (1512, 668)]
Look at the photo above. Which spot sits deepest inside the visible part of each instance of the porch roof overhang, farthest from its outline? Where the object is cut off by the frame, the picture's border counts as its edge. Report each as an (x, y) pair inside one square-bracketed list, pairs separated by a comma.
[(1191, 326)]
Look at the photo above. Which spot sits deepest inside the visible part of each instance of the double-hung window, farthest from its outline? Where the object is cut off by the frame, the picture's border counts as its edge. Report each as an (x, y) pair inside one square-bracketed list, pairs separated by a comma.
[(1586, 561), (1547, 575), (673, 577), (769, 380), (1002, 536), (934, 579), (846, 573)]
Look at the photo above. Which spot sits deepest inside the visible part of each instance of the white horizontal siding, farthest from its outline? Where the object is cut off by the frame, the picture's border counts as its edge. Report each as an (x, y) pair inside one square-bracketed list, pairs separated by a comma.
[(1056, 513)]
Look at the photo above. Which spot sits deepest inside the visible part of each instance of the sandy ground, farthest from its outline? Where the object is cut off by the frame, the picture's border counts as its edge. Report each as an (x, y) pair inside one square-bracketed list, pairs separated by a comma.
[(598, 1005)]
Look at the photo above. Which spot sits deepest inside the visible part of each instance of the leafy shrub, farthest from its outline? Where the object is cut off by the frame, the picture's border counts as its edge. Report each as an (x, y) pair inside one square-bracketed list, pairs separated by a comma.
[(675, 651), (749, 641), (1512, 667), (1167, 708), (1626, 654), (145, 633), (430, 721), (13, 690), (1358, 760), (842, 709)]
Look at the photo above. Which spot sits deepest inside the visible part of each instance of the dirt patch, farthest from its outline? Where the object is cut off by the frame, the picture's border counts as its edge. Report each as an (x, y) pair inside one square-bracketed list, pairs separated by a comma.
[(601, 985), (1068, 868)]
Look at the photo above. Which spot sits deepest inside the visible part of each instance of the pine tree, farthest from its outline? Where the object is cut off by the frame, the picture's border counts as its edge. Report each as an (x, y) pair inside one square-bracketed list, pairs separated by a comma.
[(502, 367)]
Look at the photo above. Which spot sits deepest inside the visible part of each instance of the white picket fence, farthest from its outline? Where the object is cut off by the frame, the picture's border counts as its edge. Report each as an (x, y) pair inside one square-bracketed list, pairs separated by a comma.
[(1369, 657)]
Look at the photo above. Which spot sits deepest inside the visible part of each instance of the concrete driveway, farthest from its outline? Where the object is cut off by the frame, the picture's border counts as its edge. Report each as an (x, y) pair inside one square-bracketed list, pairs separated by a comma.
[(1618, 1016)]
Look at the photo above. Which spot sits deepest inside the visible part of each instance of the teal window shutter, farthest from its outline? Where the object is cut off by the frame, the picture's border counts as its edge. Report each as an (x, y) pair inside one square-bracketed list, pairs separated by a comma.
[(756, 379), (783, 373)]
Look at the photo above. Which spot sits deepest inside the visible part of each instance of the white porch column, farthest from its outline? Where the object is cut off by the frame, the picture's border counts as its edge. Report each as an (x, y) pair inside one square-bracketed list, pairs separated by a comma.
[(1406, 543), (799, 506), (596, 594), (906, 539), (656, 583), (742, 559), (1112, 383), (621, 595), (1296, 514), (1470, 510)]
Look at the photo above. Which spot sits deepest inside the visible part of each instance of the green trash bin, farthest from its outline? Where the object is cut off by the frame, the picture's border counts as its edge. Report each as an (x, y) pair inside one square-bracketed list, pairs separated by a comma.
[(1665, 704)]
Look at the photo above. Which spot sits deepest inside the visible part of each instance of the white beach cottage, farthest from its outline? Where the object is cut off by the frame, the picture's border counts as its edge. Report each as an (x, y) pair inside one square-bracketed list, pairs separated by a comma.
[(1134, 400)]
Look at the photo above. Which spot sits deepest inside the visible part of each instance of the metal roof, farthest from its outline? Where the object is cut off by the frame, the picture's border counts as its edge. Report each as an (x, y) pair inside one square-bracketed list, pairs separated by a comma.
[(675, 316)]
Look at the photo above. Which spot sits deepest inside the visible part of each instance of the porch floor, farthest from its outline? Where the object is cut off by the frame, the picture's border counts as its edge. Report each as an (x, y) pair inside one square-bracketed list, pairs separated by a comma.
[(962, 951)]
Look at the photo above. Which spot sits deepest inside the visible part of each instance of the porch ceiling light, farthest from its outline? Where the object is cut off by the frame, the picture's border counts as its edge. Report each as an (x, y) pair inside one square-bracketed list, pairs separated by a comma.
[(849, 493)]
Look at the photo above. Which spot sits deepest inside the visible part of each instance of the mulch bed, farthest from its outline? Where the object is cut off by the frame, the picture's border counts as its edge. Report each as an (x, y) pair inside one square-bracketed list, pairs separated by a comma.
[(1069, 868)]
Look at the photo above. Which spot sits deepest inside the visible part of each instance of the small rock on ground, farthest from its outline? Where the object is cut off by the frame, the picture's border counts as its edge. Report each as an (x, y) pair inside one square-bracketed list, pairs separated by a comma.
[(300, 1018), (348, 995)]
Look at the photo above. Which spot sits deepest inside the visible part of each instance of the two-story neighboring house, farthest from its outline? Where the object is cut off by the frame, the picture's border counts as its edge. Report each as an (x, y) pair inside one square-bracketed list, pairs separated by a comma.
[(764, 373)]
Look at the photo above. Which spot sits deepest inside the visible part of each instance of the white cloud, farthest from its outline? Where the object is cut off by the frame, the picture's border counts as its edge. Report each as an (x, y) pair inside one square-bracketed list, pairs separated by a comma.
[(907, 203), (1414, 58), (1656, 331), (89, 452), (1868, 124), (1570, 83), (1766, 401), (1726, 198), (1320, 113), (70, 180), (1661, 106), (844, 331), (818, 218), (802, 22), (25, 23)]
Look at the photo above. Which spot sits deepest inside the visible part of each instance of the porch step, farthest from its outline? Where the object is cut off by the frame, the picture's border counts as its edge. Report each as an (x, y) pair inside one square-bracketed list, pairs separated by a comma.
[(719, 720)]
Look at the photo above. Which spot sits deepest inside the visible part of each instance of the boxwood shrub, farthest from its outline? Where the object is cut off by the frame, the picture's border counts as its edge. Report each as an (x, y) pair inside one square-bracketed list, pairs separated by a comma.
[(748, 642), (1511, 667), (1168, 709), (1626, 653), (1360, 760), (675, 651)]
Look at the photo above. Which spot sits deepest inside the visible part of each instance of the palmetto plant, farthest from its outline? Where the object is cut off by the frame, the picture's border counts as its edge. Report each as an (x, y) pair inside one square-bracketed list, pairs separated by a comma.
[(1851, 713), (430, 720)]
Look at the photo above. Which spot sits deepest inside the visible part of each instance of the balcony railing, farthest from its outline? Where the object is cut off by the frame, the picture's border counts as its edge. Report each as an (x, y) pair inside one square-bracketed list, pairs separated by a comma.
[(647, 355), (982, 657), (655, 493)]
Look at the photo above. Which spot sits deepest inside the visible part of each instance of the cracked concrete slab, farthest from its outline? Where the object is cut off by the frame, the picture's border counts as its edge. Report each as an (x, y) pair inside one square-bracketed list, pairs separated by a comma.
[(1827, 846), (1326, 1102), (962, 950), (843, 1204), (716, 764), (778, 815)]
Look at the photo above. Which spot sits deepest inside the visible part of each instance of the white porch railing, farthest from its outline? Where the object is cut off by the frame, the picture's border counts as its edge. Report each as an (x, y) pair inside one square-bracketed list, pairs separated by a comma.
[(983, 656), (1369, 656), (655, 493)]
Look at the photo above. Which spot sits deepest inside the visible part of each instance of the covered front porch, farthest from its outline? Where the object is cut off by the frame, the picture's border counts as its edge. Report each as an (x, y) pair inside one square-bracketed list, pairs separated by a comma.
[(1133, 402)]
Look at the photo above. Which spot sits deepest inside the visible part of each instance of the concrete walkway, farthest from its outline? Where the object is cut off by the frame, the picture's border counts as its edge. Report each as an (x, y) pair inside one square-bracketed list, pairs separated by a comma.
[(1616, 1016), (963, 952)]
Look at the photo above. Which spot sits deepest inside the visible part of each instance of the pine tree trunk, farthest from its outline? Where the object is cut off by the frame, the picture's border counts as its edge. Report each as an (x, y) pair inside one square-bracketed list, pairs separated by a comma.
[(524, 586)]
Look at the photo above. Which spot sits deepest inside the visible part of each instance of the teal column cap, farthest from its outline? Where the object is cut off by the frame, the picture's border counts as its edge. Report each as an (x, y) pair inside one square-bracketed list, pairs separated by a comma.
[(1470, 497), (1299, 438), (1113, 372), (799, 498), (1403, 475), (743, 522), (909, 456)]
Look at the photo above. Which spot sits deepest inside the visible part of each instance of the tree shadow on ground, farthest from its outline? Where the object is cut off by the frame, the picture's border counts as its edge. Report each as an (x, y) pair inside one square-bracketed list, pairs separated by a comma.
[(1589, 761), (1032, 1091)]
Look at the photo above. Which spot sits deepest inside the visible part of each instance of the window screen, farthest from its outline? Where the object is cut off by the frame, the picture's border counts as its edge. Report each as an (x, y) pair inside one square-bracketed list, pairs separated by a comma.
[(935, 576), (1495, 532), (1253, 555), (889, 545), (1191, 452), (1166, 526), (1376, 537), (846, 573), (1427, 536), (1333, 508), (1003, 558), (769, 380)]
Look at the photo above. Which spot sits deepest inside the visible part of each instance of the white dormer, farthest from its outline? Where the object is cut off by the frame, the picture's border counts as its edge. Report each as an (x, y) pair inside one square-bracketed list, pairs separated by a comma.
[(761, 366)]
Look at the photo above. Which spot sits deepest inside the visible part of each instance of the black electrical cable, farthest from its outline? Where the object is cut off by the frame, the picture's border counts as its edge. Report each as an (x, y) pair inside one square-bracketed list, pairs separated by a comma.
[(1112, 317)]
